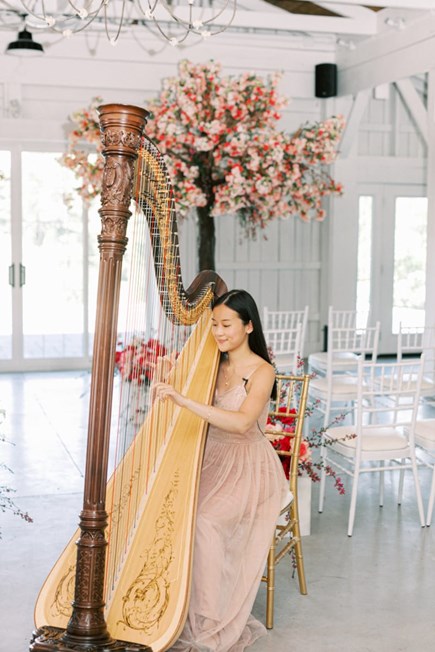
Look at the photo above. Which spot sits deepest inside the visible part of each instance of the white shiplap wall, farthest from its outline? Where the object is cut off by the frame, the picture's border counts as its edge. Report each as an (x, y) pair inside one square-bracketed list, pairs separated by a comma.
[(297, 264)]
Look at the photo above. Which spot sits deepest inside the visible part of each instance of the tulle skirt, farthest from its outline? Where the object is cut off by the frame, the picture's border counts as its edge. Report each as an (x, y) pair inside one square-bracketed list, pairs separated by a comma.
[(241, 491)]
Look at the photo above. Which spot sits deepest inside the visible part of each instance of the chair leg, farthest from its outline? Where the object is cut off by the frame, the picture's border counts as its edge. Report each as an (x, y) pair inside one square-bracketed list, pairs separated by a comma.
[(418, 491), (270, 584), (300, 568), (352, 508), (381, 486), (299, 557), (431, 498), (401, 484)]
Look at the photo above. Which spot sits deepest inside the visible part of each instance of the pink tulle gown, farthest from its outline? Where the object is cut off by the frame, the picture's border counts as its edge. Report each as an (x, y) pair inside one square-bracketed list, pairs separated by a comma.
[(241, 491)]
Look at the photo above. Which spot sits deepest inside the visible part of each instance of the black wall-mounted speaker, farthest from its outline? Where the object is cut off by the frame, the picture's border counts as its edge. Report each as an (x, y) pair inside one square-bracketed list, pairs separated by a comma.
[(326, 80)]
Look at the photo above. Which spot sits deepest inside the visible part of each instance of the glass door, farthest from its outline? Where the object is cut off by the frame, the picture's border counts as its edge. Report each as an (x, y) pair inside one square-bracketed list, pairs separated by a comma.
[(48, 262), (7, 269), (392, 258), (51, 271)]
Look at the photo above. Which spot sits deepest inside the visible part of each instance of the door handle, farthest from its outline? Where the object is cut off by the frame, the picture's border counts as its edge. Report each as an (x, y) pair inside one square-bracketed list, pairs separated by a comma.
[(12, 275), (22, 275)]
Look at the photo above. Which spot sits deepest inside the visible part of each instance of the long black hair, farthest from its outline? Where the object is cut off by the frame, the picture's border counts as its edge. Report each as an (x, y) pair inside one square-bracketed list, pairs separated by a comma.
[(244, 305)]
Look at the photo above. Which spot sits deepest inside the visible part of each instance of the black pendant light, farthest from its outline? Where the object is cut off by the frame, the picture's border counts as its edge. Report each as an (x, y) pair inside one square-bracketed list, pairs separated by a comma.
[(24, 46)]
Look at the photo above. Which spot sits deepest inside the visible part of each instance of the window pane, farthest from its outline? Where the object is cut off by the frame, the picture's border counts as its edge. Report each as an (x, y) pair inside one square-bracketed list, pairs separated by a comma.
[(364, 258), (410, 233), (53, 258), (5, 257)]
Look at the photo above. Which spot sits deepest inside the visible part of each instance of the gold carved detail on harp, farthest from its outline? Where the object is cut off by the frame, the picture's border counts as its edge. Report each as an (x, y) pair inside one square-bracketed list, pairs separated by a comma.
[(148, 596), (64, 593)]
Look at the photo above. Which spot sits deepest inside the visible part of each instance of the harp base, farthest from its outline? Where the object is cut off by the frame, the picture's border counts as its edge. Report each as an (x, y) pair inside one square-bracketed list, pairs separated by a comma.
[(52, 639)]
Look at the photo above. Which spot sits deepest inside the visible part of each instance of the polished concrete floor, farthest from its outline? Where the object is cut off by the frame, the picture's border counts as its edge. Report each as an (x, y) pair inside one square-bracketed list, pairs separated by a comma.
[(372, 592)]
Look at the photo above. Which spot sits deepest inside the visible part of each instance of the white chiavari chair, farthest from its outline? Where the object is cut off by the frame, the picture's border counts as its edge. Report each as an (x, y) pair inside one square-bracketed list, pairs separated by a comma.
[(337, 389), (287, 319), (285, 345), (343, 360), (413, 341), (381, 438)]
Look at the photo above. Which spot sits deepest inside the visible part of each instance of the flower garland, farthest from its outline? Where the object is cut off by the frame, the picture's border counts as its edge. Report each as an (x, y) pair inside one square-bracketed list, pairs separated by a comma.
[(224, 149)]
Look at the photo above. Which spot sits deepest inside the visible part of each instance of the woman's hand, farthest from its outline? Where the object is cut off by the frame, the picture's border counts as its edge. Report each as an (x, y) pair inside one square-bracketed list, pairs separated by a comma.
[(163, 367), (162, 391)]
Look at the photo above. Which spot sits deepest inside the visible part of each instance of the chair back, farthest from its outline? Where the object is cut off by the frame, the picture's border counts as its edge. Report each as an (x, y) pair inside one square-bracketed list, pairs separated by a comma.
[(388, 394), (287, 319), (413, 340), (285, 345), (361, 342), (288, 412), (347, 318)]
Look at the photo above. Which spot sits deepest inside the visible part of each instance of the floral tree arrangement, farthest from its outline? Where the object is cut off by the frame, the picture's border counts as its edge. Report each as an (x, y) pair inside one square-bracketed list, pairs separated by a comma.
[(225, 152)]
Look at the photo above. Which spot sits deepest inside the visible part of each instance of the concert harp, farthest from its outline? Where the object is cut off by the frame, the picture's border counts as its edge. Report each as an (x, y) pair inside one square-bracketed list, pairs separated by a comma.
[(122, 582)]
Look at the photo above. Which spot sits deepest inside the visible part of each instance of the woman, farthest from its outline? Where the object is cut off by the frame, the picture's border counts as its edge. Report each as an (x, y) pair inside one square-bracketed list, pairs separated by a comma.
[(242, 485)]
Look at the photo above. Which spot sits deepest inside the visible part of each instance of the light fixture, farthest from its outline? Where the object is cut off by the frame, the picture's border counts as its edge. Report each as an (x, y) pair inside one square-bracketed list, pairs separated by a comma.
[(347, 45), (24, 46), (172, 20), (396, 22)]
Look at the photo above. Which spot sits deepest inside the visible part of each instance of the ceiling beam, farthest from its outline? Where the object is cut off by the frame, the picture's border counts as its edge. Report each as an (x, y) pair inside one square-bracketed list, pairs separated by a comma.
[(415, 106), (388, 57), (356, 12), (284, 21), (385, 4), (356, 112)]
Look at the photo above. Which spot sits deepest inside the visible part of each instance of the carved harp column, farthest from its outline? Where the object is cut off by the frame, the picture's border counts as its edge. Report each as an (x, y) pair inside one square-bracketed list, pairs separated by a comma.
[(122, 128)]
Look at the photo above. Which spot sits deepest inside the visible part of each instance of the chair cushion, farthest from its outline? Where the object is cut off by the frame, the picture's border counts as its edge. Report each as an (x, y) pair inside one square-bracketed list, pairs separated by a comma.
[(342, 386), (341, 360), (425, 433), (384, 438)]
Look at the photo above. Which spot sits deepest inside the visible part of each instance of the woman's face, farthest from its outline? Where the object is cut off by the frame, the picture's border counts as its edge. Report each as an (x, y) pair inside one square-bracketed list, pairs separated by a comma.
[(228, 329)]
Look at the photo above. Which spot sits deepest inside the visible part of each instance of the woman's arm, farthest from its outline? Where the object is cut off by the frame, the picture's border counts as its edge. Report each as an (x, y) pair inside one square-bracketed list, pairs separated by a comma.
[(260, 387)]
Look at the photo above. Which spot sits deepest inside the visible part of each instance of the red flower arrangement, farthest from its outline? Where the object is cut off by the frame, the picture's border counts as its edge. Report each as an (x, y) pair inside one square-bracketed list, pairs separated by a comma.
[(307, 466), (137, 361)]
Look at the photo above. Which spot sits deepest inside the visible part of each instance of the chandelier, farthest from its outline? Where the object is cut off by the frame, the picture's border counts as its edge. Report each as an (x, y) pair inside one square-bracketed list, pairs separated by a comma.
[(172, 20)]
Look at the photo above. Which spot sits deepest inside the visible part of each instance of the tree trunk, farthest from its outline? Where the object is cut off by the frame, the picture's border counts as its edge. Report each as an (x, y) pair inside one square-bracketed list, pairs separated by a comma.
[(206, 238)]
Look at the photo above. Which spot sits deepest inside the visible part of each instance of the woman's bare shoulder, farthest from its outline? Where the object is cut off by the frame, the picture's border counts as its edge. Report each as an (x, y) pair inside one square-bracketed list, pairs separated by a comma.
[(263, 372)]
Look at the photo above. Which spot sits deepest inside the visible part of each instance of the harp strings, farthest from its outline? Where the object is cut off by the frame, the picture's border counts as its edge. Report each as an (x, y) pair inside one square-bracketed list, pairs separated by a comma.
[(150, 332)]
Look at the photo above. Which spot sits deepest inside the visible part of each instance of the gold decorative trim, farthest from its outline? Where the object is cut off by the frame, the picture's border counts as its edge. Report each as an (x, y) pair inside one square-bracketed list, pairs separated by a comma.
[(148, 596)]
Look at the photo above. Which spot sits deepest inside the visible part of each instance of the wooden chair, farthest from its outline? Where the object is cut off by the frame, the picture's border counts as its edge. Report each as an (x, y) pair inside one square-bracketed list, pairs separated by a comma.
[(292, 393)]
